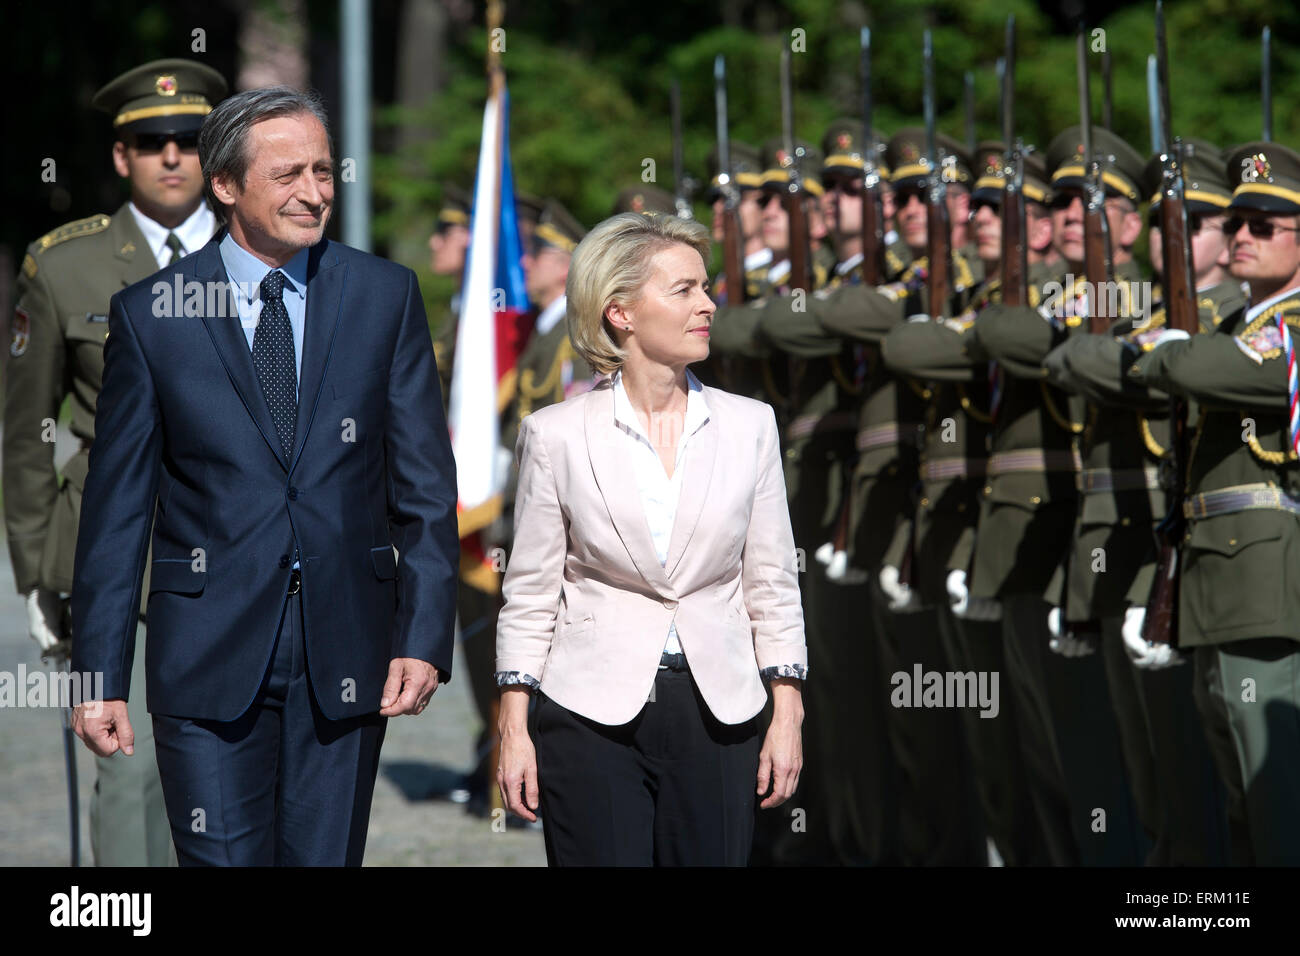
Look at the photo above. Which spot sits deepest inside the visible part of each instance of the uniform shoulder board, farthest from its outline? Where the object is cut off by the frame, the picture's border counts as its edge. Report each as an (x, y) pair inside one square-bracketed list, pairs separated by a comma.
[(72, 230)]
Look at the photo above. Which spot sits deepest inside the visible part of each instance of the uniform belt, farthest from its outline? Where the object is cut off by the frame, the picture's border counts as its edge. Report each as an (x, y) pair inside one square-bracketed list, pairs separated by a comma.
[(890, 433), (806, 425), (1033, 459), (1099, 480), (941, 469), (1256, 496), (672, 662)]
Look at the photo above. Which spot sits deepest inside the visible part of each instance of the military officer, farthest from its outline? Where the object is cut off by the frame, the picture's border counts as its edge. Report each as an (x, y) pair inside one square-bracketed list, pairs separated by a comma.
[(1174, 786), (953, 463), (747, 173), (1238, 615), (1033, 499), (448, 248), (57, 349)]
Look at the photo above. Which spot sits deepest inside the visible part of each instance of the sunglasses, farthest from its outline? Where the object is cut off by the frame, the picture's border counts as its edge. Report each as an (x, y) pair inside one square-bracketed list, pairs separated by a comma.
[(977, 204), (903, 196), (156, 142), (1259, 228), (849, 187)]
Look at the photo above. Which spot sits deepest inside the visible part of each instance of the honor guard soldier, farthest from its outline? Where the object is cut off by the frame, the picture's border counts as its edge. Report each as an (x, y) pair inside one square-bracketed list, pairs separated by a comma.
[(756, 256), (57, 349), (1165, 750), (448, 248), (1238, 615), (954, 458), (1035, 546)]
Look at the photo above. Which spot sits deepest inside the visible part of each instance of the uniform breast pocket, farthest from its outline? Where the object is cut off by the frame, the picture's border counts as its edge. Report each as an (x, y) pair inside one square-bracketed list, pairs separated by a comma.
[(371, 380)]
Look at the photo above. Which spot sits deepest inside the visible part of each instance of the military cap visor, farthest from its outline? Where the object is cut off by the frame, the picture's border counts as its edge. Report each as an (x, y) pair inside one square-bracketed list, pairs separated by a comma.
[(164, 96), (557, 228), (1205, 183), (1267, 178)]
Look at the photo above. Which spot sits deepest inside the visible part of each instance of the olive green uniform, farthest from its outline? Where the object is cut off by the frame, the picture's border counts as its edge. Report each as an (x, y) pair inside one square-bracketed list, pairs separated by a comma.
[(57, 350), (939, 812), (1178, 796), (1238, 611), (953, 463)]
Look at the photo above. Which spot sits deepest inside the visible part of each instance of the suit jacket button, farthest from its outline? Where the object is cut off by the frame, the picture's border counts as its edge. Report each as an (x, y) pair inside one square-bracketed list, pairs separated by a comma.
[(293, 494), (670, 604), (284, 560)]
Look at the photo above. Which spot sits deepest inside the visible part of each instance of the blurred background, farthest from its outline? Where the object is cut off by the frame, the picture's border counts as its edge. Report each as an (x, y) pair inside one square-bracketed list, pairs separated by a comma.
[(589, 84)]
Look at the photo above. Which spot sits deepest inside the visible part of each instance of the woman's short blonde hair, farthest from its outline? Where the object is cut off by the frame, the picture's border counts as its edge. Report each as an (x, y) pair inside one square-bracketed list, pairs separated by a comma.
[(612, 265)]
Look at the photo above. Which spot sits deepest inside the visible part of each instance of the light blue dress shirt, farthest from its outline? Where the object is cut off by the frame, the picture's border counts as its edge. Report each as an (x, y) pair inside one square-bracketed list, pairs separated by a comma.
[(246, 273)]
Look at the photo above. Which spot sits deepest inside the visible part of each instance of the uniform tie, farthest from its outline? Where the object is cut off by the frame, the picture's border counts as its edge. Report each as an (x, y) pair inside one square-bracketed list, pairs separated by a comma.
[(274, 360), (178, 250)]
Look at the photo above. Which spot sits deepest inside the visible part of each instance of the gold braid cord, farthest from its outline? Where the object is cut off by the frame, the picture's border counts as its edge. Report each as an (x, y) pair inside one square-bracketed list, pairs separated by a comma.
[(1074, 428), (1262, 453), (969, 407), (1149, 439), (551, 385)]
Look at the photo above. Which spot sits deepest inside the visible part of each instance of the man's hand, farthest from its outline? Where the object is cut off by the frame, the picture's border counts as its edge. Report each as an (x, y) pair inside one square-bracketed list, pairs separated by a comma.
[(104, 726), (43, 617), (411, 682)]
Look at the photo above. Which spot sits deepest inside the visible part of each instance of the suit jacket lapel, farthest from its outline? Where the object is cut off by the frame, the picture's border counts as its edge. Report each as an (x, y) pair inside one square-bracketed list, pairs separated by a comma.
[(694, 489), (613, 472), (325, 280), (232, 347)]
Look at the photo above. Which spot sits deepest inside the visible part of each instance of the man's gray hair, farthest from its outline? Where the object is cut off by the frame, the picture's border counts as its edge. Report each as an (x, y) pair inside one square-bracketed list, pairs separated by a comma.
[(223, 140)]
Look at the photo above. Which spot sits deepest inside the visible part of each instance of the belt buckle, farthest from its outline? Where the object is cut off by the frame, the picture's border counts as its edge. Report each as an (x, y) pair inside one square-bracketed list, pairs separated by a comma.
[(295, 582)]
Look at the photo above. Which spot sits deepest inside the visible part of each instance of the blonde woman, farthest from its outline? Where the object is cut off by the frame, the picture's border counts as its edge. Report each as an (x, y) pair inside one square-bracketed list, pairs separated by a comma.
[(652, 586)]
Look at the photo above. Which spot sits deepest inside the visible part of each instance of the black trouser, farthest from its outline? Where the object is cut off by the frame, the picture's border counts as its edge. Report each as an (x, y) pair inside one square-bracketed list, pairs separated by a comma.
[(672, 787)]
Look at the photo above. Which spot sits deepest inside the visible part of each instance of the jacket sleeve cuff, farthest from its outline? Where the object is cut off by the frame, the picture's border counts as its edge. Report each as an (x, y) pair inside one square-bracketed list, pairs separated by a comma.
[(508, 678), (799, 671)]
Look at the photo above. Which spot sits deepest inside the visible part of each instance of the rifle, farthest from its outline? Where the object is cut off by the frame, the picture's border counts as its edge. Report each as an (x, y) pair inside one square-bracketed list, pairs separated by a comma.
[(938, 234), (733, 269), (800, 247), (1160, 625), (681, 187), (874, 269), (1015, 259), (1096, 228), (1266, 81)]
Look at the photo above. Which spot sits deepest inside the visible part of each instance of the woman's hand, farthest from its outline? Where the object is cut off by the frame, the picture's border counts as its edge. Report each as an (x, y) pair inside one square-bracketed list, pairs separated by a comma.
[(517, 767), (781, 759)]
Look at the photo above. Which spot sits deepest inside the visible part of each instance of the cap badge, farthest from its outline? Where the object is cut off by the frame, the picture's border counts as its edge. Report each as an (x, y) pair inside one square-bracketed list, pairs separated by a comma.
[(1256, 168), (638, 203), (165, 85), (844, 141), (993, 164), (782, 158), (910, 152)]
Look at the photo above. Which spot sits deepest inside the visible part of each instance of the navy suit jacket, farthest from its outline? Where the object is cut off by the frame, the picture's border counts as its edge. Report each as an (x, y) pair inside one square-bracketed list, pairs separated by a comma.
[(184, 440)]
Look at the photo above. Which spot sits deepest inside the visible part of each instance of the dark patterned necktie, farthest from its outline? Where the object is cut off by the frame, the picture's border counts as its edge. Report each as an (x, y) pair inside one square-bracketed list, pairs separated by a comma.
[(273, 358), (178, 250)]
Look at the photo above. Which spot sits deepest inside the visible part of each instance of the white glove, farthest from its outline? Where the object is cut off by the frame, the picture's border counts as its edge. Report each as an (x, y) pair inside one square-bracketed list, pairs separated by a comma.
[(837, 566), (43, 614), (901, 598), (967, 607), (1169, 335), (1141, 652), (1065, 644)]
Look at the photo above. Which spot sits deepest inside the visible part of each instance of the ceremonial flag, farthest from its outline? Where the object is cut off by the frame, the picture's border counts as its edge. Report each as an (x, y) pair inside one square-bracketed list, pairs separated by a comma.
[(489, 335)]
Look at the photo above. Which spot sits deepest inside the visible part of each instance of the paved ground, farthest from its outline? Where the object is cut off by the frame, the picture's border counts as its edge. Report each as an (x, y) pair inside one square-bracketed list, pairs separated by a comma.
[(412, 823)]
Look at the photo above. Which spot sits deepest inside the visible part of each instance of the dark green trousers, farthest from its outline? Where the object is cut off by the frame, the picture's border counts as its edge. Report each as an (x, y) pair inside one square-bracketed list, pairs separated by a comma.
[(994, 743), (1248, 693), (477, 611), (941, 823)]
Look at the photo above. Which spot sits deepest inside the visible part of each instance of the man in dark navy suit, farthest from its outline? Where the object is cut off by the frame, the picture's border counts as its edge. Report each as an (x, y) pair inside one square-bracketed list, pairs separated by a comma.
[(271, 407)]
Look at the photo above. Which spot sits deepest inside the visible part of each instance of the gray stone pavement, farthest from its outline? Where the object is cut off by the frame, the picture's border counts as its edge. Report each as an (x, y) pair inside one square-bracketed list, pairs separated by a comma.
[(412, 823)]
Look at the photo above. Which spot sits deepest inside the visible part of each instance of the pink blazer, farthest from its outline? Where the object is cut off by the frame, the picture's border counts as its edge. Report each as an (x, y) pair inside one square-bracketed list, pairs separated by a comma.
[(587, 604)]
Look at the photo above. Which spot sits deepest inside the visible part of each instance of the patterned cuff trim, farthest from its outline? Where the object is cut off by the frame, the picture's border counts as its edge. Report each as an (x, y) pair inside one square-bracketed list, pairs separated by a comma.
[(785, 670), (506, 678)]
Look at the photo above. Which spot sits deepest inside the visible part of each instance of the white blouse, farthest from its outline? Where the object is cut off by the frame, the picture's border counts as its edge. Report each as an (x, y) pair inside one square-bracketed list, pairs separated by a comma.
[(659, 493)]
